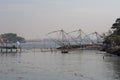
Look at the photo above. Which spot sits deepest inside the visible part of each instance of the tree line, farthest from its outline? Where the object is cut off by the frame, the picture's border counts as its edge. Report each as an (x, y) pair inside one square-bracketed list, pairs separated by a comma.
[(11, 37), (113, 39)]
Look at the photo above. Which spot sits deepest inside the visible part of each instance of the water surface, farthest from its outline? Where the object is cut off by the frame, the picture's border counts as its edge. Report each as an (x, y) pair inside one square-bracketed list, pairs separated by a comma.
[(76, 65)]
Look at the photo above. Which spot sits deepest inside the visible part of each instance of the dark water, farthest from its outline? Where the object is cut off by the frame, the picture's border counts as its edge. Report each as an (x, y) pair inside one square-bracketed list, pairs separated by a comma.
[(76, 65)]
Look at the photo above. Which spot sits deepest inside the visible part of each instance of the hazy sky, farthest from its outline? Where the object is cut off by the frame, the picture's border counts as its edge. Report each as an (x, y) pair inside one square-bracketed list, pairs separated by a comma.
[(33, 19)]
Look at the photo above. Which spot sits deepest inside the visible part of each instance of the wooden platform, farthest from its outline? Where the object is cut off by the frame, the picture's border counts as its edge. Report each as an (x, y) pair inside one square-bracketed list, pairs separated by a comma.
[(9, 49)]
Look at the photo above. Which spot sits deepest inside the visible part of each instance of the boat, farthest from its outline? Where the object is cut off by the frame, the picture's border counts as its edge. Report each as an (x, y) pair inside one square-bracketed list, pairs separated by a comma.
[(64, 51)]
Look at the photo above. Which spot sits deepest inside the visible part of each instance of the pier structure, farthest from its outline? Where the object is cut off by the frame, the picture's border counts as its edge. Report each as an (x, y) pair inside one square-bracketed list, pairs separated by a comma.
[(9, 47)]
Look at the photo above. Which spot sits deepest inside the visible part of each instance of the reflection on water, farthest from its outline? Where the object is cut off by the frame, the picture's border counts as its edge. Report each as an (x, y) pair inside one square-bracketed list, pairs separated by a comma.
[(76, 65)]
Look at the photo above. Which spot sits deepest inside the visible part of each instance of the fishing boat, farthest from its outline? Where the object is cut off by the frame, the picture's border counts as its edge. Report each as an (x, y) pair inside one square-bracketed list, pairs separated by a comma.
[(64, 51)]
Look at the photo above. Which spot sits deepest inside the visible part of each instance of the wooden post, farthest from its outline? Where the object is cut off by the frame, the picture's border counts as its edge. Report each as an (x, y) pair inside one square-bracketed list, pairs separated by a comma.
[(1, 50), (11, 50), (20, 49), (16, 50)]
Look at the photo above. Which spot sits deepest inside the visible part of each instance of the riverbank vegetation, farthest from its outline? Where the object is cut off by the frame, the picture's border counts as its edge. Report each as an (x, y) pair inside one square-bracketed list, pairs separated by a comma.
[(112, 41), (114, 38)]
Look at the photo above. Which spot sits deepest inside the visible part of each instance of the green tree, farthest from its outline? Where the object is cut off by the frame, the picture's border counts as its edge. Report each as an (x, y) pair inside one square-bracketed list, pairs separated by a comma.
[(12, 37), (114, 38), (116, 27)]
